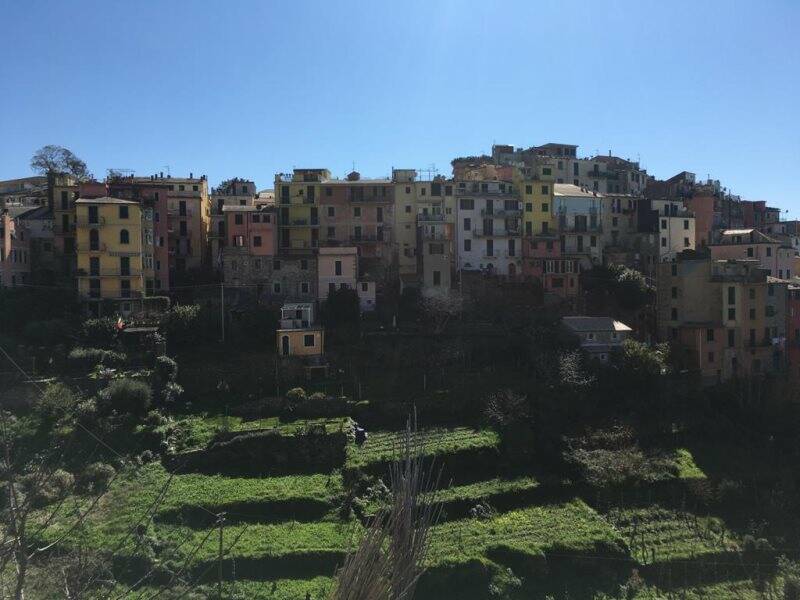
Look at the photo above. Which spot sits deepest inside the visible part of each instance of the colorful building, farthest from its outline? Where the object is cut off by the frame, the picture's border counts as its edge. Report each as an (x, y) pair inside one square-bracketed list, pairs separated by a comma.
[(109, 251), (775, 257)]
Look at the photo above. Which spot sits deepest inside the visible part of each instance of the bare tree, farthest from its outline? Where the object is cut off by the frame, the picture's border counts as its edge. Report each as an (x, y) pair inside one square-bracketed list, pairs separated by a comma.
[(439, 308), (57, 160), (391, 557)]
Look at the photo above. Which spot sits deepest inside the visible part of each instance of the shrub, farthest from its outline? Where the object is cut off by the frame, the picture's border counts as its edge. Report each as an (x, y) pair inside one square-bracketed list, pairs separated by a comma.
[(127, 396), (171, 392), (181, 324), (166, 369), (296, 395), (99, 332), (55, 403), (89, 357), (47, 489), (97, 476)]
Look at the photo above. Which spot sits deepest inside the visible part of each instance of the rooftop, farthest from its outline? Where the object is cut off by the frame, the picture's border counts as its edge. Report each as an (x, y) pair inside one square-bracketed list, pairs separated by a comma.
[(568, 189), (594, 324)]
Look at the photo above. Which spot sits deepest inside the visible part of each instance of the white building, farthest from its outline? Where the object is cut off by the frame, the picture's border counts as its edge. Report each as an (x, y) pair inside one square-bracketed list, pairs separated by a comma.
[(488, 228), (579, 213), (676, 227), (598, 336)]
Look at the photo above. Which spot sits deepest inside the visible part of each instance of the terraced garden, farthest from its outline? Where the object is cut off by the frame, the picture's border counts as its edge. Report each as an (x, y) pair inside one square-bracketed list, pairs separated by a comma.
[(501, 534)]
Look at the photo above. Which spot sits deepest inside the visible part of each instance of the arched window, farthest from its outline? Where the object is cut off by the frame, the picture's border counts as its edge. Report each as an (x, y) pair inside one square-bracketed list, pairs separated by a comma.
[(124, 236), (94, 239)]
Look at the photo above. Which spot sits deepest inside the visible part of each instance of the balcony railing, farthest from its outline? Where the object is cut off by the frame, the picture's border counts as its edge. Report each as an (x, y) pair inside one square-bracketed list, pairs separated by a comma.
[(301, 223), (429, 218), (110, 273), (501, 213), (434, 236), (176, 212), (499, 232), (91, 247), (88, 222)]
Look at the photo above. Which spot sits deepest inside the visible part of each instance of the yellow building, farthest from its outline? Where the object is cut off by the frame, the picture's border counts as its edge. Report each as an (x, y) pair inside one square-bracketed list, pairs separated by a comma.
[(418, 204), (536, 191), (109, 249), (298, 201)]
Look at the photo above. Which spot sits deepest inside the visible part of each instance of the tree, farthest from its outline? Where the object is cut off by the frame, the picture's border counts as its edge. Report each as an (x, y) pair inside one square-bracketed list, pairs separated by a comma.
[(57, 160), (439, 308)]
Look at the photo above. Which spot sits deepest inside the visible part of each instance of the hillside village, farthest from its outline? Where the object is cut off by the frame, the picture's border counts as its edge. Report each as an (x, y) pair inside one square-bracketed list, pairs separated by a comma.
[(206, 387)]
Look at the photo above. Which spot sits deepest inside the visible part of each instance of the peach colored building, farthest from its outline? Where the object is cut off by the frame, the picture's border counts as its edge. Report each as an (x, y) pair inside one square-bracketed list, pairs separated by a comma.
[(773, 256), (297, 334), (337, 268)]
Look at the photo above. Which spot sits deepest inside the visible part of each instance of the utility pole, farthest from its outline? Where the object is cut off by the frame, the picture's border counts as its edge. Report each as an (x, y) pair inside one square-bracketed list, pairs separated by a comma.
[(221, 523), (222, 309)]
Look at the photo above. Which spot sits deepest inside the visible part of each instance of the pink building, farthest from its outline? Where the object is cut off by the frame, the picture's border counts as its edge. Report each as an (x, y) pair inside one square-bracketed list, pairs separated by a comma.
[(777, 258), (15, 253), (702, 206), (251, 243), (336, 268)]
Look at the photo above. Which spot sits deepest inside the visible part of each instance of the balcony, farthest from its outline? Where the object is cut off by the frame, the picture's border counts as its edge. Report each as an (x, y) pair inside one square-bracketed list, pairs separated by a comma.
[(301, 223), (176, 212), (88, 222), (499, 232), (365, 239), (501, 254), (91, 247), (369, 199), (436, 236), (110, 273), (430, 218), (501, 213)]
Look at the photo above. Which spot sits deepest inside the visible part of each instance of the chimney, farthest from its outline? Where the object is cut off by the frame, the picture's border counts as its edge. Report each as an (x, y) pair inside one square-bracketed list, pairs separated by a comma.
[(190, 175), (161, 174)]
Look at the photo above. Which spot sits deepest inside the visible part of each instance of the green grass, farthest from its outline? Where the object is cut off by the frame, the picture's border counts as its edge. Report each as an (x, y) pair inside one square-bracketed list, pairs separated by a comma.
[(672, 534), (200, 430), (687, 468), (383, 446), (567, 527), (486, 489), (274, 589)]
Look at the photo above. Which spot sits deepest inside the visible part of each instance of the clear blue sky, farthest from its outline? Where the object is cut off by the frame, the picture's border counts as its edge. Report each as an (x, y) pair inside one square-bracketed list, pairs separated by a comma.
[(248, 88)]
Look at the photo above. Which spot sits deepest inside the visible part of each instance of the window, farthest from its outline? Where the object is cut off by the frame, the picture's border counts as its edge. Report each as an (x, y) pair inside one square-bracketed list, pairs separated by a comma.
[(731, 338), (181, 188), (331, 211), (276, 287), (182, 229), (674, 292), (257, 241), (408, 189), (194, 188), (663, 223), (770, 290), (256, 219), (64, 201), (685, 242), (529, 207), (769, 251), (528, 189), (466, 204), (338, 267), (408, 208), (674, 270), (545, 208), (752, 293), (711, 357), (686, 224), (709, 335), (467, 245), (615, 221), (276, 265), (752, 313), (467, 224), (437, 278), (422, 191), (356, 211), (124, 236), (731, 314), (304, 287), (329, 191), (436, 249), (663, 242), (304, 264), (93, 215), (674, 314), (94, 265), (545, 225), (237, 219), (331, 232), (308, 340), (546, 188), (123, 212), (546, 171)]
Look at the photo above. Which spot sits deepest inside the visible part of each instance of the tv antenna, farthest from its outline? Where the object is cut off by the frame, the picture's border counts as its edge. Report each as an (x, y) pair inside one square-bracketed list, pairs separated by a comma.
[(168, 172)]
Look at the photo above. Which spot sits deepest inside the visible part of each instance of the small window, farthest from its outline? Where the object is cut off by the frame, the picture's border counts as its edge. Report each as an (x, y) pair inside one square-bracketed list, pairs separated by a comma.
[(528, 189), (304, 287), (331, 211), (276, 287), (124, 236), (257, 241), (308, 340), (304, 264), (545, 208), (663, 223), (674, 270), (731, 314), (364, 287), (356, 211), (709, 335), (123, 212), (467, 245), (329, 191), (546, 188), (674, 314), (467, 224), (338, 268), (674, 292), (276, 265), (466, 204), (686, 224)]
